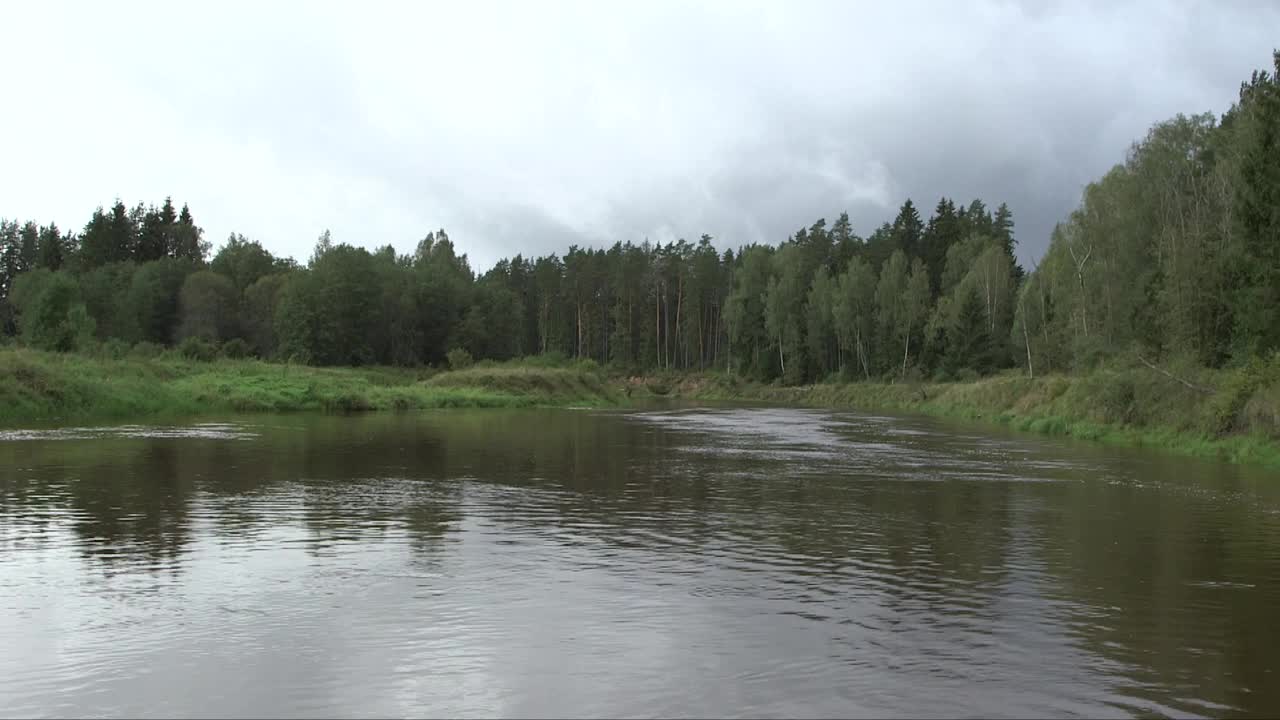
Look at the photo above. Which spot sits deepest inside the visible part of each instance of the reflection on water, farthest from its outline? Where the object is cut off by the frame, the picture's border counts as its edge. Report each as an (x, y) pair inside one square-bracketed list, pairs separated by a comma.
[(708, 561), (212, 431)]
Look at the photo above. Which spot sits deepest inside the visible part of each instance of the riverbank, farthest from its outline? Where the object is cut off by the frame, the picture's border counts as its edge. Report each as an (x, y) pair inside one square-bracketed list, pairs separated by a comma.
[(40, 387), (1231, 415), (1226, 414)]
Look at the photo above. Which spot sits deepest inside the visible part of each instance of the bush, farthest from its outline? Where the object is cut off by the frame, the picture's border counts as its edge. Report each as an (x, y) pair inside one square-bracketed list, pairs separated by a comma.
[(459, 359), (113, 349), (235, 348), (198, 349), (1117, 399), (146, 350), (553, 359), (1229, 407)]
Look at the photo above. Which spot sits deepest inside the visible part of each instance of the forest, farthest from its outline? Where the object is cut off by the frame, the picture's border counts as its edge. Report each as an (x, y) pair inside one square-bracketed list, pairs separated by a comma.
[(1174, 254)]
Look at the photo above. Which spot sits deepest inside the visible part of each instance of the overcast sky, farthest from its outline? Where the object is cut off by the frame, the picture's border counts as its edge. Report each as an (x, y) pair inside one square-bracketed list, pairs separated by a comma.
[(528, 126)]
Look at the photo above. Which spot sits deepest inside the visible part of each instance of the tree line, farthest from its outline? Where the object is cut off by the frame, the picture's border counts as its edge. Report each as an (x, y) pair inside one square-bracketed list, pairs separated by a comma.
[(1174, 252)]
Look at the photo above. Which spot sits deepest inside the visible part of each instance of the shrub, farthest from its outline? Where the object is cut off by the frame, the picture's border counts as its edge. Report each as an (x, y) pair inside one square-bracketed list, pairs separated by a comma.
[(146, 350), (198, 349), (1117, 399), (1248, 385), (553, 359), (459, 359), (235, 348), (113, 349)]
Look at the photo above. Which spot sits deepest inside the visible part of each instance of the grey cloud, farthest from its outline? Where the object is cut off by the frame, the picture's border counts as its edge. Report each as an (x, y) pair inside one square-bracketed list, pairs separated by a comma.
[(526, 127)]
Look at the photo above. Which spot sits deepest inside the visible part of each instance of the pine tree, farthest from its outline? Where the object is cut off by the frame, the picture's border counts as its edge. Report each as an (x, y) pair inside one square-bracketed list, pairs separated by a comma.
[(942, 232), (122, 233), (1002, 230), (188, 238), (10, 256), (28, 247), (908, 230), (968, 337), (51, 252), (152, 237)]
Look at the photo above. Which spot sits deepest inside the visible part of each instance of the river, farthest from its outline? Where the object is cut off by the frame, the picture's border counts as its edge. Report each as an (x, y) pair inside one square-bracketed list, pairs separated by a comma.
[(696, 561)]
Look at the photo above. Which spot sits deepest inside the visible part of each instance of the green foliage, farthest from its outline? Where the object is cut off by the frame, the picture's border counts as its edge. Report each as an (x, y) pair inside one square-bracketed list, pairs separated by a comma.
[(1252, 388), (1255, 128), (1173, 250), (543, 385), (243, 261), (51, 313), (197, 348), (459, 359), (258, 313), (105, 293), (327, 314), (113, 349), (53, 250), (145, 350), (235, 349), (820, 330), (208, 307), (968, 336), (152, 298), (783, 304)]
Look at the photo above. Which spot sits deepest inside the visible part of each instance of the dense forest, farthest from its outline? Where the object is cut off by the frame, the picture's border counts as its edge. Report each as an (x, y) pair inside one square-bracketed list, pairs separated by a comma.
[(1174, 253)]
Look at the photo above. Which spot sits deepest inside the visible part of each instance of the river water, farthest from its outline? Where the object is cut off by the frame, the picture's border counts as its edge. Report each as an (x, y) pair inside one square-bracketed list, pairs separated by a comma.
[(710, 561)]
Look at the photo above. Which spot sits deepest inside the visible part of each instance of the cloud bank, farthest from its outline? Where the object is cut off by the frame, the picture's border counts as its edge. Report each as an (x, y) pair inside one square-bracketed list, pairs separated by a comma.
[(526, 127)]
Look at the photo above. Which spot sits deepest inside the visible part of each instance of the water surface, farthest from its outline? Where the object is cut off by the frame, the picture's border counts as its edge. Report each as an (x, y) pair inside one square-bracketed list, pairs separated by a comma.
[(691, 562)]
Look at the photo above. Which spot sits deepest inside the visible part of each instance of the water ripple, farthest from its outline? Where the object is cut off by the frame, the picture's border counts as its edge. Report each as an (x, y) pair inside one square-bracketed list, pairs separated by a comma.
[(703, 562)]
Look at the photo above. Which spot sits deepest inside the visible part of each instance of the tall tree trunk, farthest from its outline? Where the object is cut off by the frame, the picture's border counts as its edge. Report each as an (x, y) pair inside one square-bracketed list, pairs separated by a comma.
[(666, 330), (991, 311), (657, 324), (679, 303), (546, 322), (1026, 338), (701, 350), (862, 357), (906, 347)]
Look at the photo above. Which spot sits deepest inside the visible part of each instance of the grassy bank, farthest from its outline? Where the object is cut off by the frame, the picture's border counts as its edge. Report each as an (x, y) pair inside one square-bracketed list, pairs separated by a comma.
[(1227, 414), (39, 387)]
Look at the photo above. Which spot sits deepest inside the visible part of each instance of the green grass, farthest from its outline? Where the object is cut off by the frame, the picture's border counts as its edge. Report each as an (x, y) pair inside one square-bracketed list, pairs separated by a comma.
[(545, 385), (39, 387), (1239, 420)]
